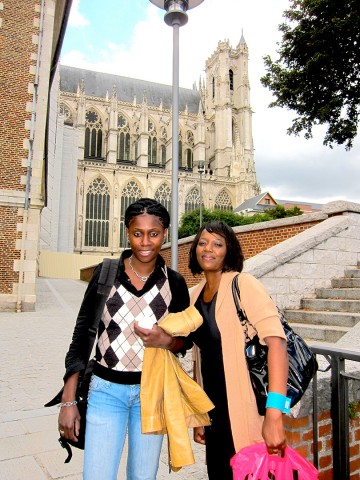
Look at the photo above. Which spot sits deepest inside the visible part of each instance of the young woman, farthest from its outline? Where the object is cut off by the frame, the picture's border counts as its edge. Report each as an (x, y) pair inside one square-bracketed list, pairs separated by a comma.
[(143, 294), (220, 361)]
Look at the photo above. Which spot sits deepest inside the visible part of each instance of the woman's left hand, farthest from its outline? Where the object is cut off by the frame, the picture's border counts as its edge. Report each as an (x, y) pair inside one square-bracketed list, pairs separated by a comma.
[(155, 337), (273, 432)]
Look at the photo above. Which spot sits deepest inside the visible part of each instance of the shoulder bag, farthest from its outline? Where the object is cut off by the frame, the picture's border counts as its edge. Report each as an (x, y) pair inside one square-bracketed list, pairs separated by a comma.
[(302, 361)]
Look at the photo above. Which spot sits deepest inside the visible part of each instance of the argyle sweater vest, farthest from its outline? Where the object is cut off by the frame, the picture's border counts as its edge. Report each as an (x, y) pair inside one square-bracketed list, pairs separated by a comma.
[(118, 347)]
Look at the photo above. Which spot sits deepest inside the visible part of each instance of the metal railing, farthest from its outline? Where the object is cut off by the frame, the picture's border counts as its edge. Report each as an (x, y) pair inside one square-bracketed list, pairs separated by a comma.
[(339, 406)]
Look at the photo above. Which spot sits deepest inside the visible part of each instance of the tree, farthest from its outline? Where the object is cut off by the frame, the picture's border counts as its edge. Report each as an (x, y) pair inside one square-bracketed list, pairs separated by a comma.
[(317, 72), (190, 222)]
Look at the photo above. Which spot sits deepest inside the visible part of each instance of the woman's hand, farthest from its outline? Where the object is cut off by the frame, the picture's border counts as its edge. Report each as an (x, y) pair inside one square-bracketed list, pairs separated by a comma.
[(69, 416), (199, 435), (273, 432), (69, 422), (155, 337)]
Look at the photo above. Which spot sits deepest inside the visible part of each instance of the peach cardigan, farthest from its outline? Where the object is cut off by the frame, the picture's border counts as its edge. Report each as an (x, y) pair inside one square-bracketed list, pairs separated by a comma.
[(245, 421)]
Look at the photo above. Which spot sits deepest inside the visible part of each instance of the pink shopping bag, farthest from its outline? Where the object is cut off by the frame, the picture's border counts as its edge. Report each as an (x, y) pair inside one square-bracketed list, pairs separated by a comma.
[(254, 463)]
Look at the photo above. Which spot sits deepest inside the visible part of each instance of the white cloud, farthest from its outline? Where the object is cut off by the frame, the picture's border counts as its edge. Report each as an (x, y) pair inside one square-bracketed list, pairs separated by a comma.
[(76, 19)]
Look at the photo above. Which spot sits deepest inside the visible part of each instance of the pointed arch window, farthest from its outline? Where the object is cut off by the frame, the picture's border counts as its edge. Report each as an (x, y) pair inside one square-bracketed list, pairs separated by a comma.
[(97, 214), (223, 201), (189, 158), (130, 193), (163, 155), (67, 114), (192, 201), (213, 87), (93, 135), (152, 144), (231, 79), (123, 140), (180, 153), (163, 195)]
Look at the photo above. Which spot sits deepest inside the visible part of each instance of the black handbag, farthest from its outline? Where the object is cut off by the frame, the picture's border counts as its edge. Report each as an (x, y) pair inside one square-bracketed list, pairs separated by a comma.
[(302, 361), (81, 396), (106, 280)]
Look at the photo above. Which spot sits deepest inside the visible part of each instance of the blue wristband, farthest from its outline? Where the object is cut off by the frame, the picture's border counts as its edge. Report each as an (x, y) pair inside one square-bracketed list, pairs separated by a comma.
[(276, 400)]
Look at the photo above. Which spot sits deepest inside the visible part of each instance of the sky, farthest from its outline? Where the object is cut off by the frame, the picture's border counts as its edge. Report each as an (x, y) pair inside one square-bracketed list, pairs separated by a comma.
[(130, 38)]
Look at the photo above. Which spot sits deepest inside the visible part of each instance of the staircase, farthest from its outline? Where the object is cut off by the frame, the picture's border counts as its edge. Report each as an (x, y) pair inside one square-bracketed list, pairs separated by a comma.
[(332, 313)]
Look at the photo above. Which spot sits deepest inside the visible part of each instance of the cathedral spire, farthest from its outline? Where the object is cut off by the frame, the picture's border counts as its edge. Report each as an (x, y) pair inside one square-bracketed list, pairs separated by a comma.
[(242, 39)]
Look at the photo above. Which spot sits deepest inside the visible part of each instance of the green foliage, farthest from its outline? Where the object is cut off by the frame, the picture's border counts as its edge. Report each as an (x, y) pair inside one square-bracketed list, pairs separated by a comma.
[(280, 212), (190, 222), (353, 410), (317, 72)]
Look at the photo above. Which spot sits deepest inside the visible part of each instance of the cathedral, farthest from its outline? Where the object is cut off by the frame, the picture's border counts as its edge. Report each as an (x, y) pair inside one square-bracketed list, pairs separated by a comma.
[(110, 143)]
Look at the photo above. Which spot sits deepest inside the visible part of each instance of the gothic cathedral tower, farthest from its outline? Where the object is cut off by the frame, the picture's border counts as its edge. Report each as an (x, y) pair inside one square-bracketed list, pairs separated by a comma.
[(228, 114)]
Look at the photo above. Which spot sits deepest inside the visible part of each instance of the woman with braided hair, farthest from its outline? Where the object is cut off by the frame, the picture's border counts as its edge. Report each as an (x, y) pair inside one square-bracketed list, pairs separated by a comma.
[(142, 295)]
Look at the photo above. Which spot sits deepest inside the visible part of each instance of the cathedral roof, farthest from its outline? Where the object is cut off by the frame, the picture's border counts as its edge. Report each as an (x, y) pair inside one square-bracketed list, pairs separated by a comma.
[(98, 84)]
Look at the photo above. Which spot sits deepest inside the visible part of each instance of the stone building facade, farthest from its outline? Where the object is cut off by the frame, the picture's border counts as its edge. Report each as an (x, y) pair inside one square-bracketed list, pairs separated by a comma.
[(31, 33), (111, 144)]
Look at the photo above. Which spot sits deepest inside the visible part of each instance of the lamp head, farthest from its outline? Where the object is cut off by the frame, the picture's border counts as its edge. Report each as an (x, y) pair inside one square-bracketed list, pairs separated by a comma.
[(188, 4), (176, 10)]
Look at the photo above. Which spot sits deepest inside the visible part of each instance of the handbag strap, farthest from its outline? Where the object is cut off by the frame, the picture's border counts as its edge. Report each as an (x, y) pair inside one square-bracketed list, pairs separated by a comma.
[(240, 313)]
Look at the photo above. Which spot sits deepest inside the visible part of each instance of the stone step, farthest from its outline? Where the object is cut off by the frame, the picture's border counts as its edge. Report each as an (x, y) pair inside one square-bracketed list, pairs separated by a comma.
[(319, 332), (352, 273), (345, 282), (339, 319), (332, 305), (339, 293)]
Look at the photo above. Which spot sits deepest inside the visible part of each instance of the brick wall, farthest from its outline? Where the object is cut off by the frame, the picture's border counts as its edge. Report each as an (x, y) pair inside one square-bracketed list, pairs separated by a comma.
[(9, 253), (300, 436), (252, 242), (19, 30), (15, 59)]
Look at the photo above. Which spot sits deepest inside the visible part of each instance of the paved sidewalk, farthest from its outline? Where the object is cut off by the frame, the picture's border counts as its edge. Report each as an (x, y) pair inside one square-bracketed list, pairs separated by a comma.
[(33, 346)]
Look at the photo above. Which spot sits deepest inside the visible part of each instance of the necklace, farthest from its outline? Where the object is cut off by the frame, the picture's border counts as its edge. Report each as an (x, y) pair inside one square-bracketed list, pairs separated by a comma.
[(143, 278)]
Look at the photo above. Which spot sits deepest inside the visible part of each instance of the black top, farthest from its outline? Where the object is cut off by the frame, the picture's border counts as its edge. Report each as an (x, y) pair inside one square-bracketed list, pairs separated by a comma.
[(76, 358), (207, 338)]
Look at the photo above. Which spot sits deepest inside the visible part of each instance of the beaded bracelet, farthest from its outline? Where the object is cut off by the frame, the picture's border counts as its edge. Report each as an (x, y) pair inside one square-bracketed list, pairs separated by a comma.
[(68, 404), (276, 400)]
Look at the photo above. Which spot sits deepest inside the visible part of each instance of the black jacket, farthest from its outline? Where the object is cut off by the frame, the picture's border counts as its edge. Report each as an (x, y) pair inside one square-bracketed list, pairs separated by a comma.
[(93, 304)]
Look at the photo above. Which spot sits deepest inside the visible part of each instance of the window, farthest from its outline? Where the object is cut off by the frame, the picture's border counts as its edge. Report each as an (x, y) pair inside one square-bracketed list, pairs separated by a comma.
[(152, 144), (123, 140), (180, 153), (163, 195), (192, 201), (163, 155), (129, 195), (189, 158), (97, 214), (231, 79), (93, 135), (213, 87), (223, 201), (66, 113)]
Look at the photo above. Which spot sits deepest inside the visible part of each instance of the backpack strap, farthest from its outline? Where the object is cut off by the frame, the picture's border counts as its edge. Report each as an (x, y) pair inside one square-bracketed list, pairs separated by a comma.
[(106, 280), (107, 275)]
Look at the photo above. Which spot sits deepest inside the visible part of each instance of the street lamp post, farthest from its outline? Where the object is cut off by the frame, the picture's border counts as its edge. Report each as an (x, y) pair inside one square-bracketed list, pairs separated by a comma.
[(175, 17), (201, 170)]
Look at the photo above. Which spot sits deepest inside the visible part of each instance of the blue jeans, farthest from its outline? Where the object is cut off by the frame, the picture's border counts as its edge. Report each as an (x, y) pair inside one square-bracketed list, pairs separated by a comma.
[(114, 409)]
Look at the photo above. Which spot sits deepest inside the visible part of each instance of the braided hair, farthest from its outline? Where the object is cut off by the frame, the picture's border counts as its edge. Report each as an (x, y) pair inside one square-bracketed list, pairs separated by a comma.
[(149, 206)]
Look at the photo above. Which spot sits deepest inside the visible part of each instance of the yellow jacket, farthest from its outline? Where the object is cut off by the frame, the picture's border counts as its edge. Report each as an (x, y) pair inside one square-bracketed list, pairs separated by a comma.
[(171, 402)]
